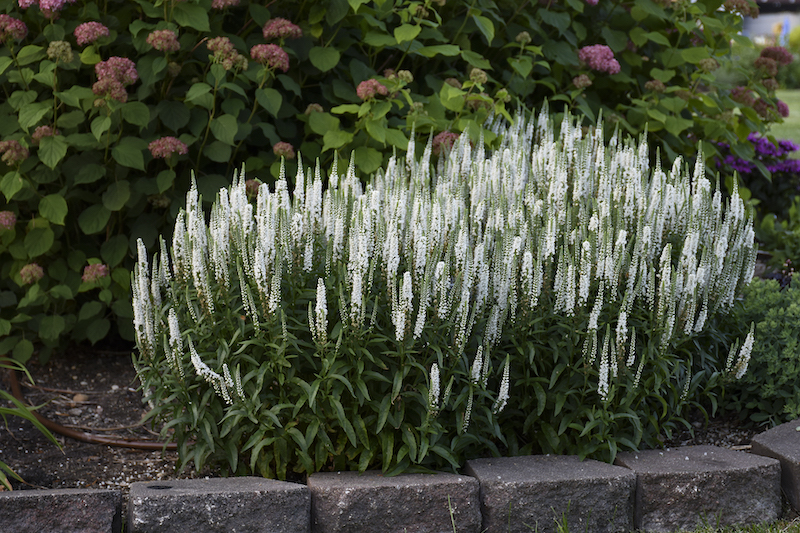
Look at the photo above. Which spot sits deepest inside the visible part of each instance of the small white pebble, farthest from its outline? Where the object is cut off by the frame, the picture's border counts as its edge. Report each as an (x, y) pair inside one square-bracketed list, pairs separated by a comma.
[(687, 457), (114, 387)]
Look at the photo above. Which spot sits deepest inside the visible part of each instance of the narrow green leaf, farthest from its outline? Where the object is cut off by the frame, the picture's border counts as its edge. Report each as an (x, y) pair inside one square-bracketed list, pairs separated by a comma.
[(447, 50)]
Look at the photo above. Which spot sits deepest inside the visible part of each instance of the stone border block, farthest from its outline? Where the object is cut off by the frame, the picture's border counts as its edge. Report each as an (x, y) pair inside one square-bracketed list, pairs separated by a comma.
[(533, 493), (371, 503), (690, 486), (219, 505), (61, 511), (783, 443)]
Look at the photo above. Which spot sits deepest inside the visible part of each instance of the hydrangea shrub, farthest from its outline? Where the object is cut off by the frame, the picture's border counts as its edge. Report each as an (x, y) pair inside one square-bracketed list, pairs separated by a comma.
[(110, 106), (544, 297)]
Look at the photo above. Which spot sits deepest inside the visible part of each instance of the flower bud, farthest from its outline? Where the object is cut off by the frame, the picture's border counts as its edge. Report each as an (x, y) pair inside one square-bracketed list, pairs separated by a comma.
[(478, 76)]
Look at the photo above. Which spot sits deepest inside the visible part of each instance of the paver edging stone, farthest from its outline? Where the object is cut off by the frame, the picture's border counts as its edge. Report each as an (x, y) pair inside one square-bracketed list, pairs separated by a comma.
[(680, 488), (520, 494), (61, 511), (783, 443)]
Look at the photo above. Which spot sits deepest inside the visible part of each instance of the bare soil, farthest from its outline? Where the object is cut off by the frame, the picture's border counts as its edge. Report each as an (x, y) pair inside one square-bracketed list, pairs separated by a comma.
[(92, 391)]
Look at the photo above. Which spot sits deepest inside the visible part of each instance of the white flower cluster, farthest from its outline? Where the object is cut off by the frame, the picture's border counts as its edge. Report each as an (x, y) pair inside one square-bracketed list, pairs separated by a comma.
[(548, 223)]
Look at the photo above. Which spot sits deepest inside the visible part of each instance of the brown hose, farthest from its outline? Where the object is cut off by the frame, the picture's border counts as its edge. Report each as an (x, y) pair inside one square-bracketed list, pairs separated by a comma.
[(16, 391)]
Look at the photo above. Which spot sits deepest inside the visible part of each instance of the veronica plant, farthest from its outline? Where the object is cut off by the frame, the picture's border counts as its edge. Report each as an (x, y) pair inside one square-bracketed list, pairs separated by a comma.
[(404, 324)]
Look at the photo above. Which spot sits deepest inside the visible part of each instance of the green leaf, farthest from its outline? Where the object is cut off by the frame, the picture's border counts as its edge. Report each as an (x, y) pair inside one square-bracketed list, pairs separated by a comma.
[(448, 50), (320, 123), (191, 15), (368, 160), (89, 173), (174, 115), (51, 327), (129, 152), (270, 99), (117, 195), (676, 125), (224, 128), (165, 179), (558, 20), (658, 115), (31, 114), (485, 26), (52, 150), (475, 59), (5, 327), (336, 139), (11, 184), (90, 310), (38, 241), (73, 96), (336, 11), (94, 219), (23, 350), (53, 207), (521, 66), (30, 54), (406, 32), (376, 130), (114, 250), (397, 138), (662, 75), (98, 329), (694, 55), (5, 62), (379, 40), (71, 119), (99, 126), (616, 40), (197, 90), (324, 58), (348, 108), (136, 113), (451, 97), (89, 56), (658, 38), (218, 151)]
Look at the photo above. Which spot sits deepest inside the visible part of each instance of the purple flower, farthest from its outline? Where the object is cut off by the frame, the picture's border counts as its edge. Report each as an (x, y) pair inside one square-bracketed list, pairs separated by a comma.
[(89, 32), (599, 57), (43, 131), (121, 69), (779, 54), (11, 28), (222, 4), (271, 55), (743, 95), (92, 273), (7, 219), (165, 147), (31, 273)]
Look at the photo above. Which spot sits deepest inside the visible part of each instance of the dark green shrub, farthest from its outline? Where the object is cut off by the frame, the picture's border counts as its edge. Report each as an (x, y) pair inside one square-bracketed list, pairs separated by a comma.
[(769, 393), (102, 125)]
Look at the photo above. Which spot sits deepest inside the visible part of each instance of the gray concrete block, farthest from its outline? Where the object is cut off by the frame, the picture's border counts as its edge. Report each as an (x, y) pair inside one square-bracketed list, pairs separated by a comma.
[(409, 503), (783, 443), (532, 493), (690, 486), (219, 505), (61, 511)]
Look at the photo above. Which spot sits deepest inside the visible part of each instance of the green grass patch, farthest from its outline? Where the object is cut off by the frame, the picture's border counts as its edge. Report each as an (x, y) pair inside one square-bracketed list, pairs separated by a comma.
[(790, 128)]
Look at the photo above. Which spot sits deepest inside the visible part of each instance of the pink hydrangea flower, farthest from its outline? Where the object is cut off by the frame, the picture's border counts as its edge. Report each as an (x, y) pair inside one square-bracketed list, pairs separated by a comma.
[(283, 149), (582, 81), (110, 88), (164, 40), (743, 95), (592, 2), (7, 219), (768, 65), (50, 8), (225, 54), (13, 152), (599, 57), (31, 273), (11, 28), (367, 89), (780, 54), (251, 187), (43, 131), (121, 69), (92, 273), (222, 4), (271, 55), (280, 28), (165, 147), (783, 108), (444, 142), (89, 32)]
